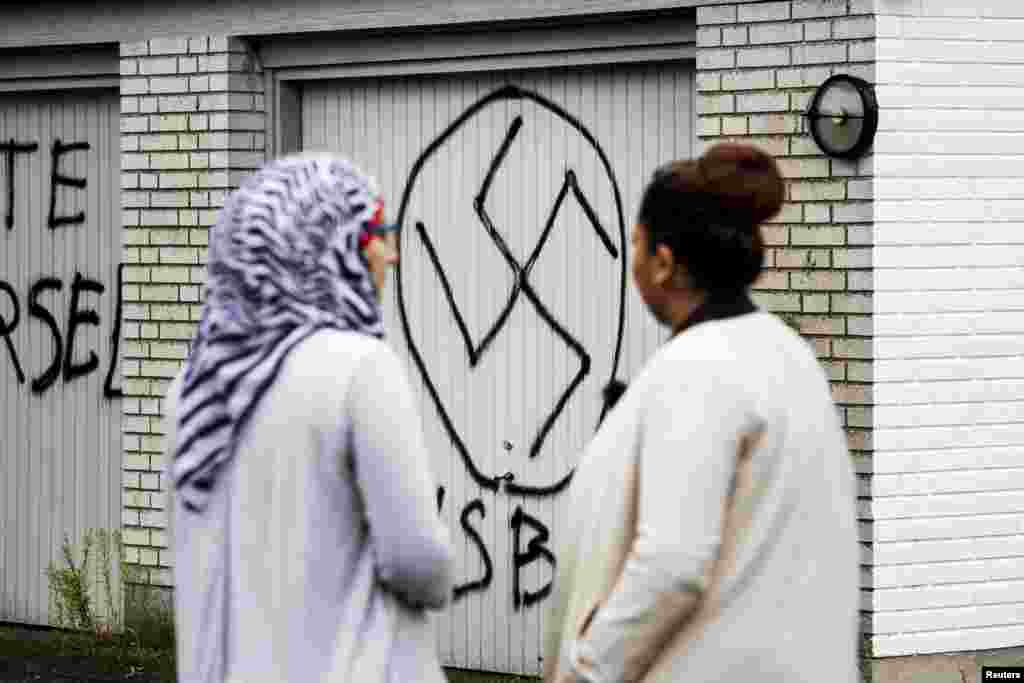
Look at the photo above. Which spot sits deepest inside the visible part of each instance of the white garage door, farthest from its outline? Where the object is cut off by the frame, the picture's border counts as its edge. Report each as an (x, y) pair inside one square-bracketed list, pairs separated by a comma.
[(517, 191), (60, 243)]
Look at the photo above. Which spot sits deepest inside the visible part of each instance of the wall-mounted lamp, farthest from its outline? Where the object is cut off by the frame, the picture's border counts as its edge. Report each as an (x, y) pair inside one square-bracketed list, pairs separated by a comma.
[(843, 116)]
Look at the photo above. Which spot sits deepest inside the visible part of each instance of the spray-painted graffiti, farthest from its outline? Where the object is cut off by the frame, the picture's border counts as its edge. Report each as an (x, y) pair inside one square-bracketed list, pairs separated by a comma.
[(63, 363), (526, 550)]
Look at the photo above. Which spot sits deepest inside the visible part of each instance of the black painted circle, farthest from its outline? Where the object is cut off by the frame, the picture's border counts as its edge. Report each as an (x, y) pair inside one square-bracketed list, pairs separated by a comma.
[(508, 92), (867, 117)]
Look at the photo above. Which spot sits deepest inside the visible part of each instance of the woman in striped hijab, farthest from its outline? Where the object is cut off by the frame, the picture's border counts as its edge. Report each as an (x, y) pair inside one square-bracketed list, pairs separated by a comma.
[(306, 542)]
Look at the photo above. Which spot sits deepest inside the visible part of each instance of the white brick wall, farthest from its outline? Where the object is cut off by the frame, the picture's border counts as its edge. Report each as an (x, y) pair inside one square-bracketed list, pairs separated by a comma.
[(948, 482), (192, 121), (757, 66)]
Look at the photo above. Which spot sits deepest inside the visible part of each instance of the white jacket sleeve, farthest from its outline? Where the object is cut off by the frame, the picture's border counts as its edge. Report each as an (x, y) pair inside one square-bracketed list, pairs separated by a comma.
[(690, 430), (411, 544)]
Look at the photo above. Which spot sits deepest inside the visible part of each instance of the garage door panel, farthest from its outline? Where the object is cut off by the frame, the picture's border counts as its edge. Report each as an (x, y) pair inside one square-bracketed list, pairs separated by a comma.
[(504, 374), (60, 455)]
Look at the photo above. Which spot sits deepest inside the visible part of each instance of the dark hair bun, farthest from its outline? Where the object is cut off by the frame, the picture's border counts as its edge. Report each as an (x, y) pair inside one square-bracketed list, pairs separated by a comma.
[(708, 211), (744, 180)]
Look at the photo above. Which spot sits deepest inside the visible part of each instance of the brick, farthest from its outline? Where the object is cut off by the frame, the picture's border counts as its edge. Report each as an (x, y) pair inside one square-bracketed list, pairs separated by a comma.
[(775, 235), (201, 122), (853, 212), (815, 303), (130, 143), (174, 180), (853, 27), (812, 9), (188, 294), (852, 303), (159, 143), (165, 46), (188, 141), (188, 65), (169, 199), (197, 45), (129, 181), (757, 79), (818, 279), (817, 191), (709, 36), (790, 213), (772, 124), (734, 35), (177, 331), (819, 53), (859, 372), (862, 51), (803, 77), (148, 181), (199, 84), (712, 59), (158, 217), (199, 237), (821, 325), (772, 279), (129, 105), (129, 67), (817, 30), (851, 258), (763, 56), (149, 482), (774, 145), (148, 105), (169, 160), (161, 368), (213, 62), (158, 66), (826, 235), (801, 258), (762, 102), (860, 280), (705, 82), (860, 189), (778, 301), (171, 312), (861, 326), (723, 14), (181, 255), (169, 350), (169, 122), (716, 104), (177, 103), (134, 199), (168, 84), (789, 32), (134, 124), (804, 168), (800, 101), (135, 536), (763, 11), (709, 125), (734, 125), (134, 161)]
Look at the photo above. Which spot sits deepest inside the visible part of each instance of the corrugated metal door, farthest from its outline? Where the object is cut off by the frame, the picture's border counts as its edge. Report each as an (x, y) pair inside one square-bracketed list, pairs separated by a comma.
[(60, 243), (516, 224)]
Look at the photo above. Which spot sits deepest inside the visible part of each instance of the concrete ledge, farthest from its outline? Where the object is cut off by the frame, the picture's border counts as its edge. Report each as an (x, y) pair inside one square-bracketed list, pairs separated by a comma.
[(963, 667)]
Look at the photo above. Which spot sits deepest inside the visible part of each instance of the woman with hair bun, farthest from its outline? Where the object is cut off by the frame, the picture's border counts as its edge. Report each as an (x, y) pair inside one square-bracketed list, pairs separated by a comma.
[(712, 534)]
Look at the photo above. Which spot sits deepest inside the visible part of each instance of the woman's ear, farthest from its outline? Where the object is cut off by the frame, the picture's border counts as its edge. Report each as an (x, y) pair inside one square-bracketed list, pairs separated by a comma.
[(663, 266)]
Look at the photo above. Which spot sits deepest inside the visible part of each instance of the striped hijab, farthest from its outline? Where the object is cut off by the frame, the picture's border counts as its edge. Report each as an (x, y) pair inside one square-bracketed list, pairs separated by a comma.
[(284, 263)]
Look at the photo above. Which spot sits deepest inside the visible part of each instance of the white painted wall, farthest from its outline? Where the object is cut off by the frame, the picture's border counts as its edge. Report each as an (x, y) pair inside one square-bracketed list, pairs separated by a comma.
[(948, 484)]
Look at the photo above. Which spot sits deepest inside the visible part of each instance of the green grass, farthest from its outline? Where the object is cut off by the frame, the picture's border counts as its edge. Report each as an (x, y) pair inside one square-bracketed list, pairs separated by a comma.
[(119, 654)]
